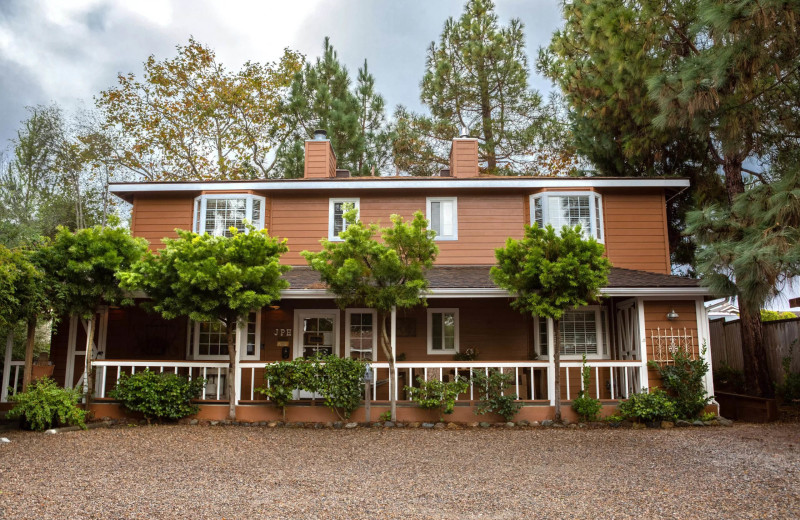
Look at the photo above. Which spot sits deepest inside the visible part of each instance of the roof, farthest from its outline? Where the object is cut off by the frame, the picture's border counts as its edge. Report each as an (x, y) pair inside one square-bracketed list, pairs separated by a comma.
[(126, 190), (477, 277)]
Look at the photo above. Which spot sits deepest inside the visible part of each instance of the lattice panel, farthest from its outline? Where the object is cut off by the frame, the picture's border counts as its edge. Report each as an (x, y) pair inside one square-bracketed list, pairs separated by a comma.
[(667, 341)]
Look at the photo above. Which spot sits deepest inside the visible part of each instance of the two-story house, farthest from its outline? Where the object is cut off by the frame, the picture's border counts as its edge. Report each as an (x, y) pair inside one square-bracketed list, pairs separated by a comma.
[(644, 314)]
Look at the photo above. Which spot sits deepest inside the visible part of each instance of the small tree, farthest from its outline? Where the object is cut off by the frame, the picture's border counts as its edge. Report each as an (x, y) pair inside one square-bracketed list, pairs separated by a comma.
[(381, 274), (549, 273), (82, 268), (211, 278), (23, 296)]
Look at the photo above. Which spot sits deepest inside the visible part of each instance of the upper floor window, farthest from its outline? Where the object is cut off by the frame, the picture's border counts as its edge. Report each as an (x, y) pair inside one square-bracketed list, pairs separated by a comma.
[(336, 210), (216, 214), (561, 209), (443, 217)]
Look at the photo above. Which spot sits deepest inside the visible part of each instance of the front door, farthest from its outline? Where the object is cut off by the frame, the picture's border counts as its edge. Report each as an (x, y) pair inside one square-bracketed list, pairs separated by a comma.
[(316, 333)]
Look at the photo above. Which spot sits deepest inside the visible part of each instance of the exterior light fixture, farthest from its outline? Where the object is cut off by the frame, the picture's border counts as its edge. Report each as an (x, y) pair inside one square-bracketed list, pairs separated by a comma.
[(274, 307), (672, 315)]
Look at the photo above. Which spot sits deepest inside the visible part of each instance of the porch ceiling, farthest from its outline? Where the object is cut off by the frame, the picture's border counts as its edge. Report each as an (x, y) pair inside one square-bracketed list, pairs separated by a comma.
[(477, 277)]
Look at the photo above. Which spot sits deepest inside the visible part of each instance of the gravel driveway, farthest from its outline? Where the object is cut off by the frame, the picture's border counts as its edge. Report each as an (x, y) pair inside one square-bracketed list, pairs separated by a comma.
[(747, 471)]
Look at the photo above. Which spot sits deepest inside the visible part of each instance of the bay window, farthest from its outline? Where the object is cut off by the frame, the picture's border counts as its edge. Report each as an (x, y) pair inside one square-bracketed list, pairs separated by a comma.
[(216, 214), (560, 209)]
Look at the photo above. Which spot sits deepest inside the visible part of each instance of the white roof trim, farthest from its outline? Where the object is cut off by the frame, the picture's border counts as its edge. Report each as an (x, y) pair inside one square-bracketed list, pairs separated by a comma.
[(404, 182)]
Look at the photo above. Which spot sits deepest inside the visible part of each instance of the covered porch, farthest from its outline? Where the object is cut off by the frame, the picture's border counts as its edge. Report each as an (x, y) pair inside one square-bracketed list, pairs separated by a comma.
[(467, 326)]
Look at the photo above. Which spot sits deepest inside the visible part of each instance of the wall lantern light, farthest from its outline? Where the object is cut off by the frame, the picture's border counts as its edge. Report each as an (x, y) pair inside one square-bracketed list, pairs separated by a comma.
[(672, 315)]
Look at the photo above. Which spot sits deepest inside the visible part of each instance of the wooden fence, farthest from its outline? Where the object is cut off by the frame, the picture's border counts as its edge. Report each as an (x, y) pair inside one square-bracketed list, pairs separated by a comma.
[(781, 338)]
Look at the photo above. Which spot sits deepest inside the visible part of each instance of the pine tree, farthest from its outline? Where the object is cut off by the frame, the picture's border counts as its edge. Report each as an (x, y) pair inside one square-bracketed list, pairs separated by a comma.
[(476, 77), (322, 97)]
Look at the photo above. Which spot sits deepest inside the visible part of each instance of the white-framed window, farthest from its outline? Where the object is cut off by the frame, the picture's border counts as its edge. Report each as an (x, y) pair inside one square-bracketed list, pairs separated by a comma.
[(442, 331), (210, 341), (361, 334), (336, 221), (571, 208), (583, 331), (442, 213), (216, 214)]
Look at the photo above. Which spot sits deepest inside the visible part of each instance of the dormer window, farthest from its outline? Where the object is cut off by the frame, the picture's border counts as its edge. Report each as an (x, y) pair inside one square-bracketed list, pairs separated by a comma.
[(216, 214), (560, 209)]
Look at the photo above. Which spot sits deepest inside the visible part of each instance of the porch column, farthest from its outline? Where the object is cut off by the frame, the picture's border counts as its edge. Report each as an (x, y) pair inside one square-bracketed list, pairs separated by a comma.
[(643, 377), (241, 342), (551, 365), (7, 368), (393, 342), (703, 339)]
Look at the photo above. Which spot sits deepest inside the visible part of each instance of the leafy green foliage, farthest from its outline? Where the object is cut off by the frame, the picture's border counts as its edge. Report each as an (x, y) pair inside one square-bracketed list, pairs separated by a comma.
[(649, 407), (492, 389), (789, 390), (728, 379), (158, 395), (354, 116), (340, 381), (365, 271), (211, 278), (23, 288), (587, 407), (434, 394), (83, 266), (769, 315), (684, 379), (45, 405)]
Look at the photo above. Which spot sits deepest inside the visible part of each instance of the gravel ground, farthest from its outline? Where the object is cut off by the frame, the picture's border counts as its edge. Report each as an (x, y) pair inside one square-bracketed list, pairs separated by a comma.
[(748, 471)]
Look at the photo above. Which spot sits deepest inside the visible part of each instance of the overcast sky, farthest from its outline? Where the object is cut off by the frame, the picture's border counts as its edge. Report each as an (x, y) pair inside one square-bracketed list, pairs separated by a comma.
[(69, 50)]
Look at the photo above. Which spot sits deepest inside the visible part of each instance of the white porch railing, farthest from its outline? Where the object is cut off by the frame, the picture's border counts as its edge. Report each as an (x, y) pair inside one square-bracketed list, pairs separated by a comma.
[(530, 380), (14, 384)]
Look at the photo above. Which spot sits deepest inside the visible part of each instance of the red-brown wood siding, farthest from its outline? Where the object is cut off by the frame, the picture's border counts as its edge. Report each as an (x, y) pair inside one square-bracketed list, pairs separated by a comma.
[(157, 216)]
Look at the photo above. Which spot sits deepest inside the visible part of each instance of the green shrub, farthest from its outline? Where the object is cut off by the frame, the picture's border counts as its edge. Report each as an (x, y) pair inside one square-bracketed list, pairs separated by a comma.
[(649, 407), (684, 380), (492, 390), (789, 391), (158, 395), (340, 382), (588, 408), (728, 379), (45, 405), (283, 380), (435, 394)]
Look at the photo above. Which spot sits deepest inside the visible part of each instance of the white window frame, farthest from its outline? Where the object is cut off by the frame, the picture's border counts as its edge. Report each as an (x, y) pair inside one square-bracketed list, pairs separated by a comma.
[(201, 203), (603, 350), (597, 230), (431, 350), (356, 201), (454, 200), (375, 330), (241, 342)]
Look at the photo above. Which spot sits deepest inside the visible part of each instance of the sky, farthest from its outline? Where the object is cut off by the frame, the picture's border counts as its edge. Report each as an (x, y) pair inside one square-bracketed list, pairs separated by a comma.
[(67, 51)]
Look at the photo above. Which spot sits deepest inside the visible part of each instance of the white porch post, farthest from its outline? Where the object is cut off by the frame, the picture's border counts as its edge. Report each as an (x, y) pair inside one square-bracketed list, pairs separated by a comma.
[(551, 364), (393, 342), (7, 368), (241, 341), (72, 338), (703, 340), (643, 377)]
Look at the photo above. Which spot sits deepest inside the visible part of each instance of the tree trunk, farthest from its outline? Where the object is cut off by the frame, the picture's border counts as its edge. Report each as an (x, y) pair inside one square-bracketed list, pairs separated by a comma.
[(734, 185), (557, 364), (28, 373), (88, 380), (754, 354), (387, 351), (232, 375)]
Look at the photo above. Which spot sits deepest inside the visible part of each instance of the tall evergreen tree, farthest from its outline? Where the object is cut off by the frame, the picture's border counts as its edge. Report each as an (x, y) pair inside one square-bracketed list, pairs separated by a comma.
[(322, 96), (475, 77)]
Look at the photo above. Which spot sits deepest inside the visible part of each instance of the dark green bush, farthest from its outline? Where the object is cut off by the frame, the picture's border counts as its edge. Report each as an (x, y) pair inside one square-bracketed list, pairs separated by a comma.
[(158, 395), (684, 380), (728, 379), (588, 408), (434, 394), (789, 391), (491, 389), (649, 407), (283, 380), (45, 405)]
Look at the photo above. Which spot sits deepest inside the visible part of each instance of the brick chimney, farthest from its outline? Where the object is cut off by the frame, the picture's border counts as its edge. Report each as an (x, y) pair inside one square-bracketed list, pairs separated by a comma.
[(464, 156), (320, 161)]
